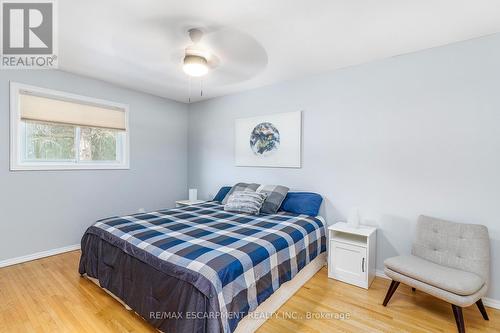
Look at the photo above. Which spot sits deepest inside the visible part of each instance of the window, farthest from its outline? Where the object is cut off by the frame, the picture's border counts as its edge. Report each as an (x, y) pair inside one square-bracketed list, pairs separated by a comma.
[(53, 130)]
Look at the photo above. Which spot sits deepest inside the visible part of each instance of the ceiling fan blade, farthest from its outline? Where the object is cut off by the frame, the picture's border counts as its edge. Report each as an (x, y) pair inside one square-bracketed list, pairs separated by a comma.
[(240, 56)]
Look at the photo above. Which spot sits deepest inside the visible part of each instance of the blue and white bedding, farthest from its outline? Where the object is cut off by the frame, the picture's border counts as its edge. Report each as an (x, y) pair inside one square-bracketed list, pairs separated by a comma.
[(236, 260)]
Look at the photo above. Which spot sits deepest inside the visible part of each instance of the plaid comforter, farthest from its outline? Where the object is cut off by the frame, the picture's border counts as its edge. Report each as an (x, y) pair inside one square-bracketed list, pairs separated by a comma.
[(246, 258)]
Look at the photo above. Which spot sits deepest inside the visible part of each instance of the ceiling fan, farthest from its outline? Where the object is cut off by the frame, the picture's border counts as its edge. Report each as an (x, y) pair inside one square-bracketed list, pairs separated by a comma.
[(197, 60), (184, 52)]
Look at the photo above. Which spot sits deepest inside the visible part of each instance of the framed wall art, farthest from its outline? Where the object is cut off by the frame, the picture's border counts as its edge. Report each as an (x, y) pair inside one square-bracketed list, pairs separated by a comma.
[(269, 141)]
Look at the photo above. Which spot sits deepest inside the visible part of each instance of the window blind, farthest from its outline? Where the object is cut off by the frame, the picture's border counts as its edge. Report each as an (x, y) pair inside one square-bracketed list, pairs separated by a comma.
[(38, 108)]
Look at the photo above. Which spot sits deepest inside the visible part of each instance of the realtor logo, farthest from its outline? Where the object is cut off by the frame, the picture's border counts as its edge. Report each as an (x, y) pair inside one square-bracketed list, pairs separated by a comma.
[(28, 34)]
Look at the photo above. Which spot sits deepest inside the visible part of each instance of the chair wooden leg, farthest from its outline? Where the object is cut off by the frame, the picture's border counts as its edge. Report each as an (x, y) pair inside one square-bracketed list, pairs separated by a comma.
[(482, 309), (394, 285), (459, 318)]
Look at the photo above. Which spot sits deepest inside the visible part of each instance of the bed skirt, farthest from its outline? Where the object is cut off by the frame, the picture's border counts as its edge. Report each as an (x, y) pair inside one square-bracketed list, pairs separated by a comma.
[(166, 302)]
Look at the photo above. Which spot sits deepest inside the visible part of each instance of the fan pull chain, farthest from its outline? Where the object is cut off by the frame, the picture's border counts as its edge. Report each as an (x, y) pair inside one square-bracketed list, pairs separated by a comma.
[(190, 88)]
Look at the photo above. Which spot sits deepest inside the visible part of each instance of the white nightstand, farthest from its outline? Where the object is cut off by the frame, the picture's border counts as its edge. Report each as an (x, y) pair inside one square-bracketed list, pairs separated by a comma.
[(352, 254), (183, 203)]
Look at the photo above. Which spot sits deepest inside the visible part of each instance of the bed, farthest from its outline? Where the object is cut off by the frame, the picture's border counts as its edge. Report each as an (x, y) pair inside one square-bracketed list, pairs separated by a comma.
[(200, 268)]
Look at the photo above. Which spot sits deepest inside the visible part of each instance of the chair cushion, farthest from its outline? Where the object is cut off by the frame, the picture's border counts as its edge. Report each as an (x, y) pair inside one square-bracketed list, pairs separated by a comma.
[(446, 278), (461, 246)]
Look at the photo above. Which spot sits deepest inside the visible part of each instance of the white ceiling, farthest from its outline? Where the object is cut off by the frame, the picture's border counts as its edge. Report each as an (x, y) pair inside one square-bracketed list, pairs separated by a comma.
[(139, 44)]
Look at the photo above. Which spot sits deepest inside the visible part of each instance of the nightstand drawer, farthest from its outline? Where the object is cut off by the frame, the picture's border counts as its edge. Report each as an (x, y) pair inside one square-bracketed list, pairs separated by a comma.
[(348, 263)]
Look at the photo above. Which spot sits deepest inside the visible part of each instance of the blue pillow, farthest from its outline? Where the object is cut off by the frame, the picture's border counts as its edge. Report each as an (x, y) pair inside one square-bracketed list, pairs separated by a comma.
[(302, 203), (222, 193)]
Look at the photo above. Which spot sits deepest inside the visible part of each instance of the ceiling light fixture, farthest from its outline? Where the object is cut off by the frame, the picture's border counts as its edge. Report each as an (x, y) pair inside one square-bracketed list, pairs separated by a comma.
[(195, 65)]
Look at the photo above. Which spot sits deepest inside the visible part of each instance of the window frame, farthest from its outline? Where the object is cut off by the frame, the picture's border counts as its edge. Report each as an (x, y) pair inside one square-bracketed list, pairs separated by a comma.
[(17, 162)]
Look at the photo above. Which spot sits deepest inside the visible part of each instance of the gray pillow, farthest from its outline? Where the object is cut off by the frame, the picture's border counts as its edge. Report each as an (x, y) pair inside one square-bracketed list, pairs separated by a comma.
[(245, 202), (275, 196), (240, 187)]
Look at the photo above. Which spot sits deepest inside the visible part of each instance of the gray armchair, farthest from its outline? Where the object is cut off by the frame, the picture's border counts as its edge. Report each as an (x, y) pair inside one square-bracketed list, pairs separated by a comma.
[(450, 261)]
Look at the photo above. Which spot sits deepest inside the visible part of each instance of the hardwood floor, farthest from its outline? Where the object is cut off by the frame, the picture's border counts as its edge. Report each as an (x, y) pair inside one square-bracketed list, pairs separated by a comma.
[(48, 295)]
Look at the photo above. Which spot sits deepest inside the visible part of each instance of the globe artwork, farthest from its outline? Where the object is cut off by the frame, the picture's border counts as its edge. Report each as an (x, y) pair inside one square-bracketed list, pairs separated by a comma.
[(264, 139)]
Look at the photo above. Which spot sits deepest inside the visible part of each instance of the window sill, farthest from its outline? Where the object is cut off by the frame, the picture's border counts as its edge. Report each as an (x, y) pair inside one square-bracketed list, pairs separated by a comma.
[(53, 167)]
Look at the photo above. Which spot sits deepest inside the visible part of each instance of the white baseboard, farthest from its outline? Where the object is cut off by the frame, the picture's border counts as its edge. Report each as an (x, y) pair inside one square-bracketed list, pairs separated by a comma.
[(380, 273), (490, 302), (38, 255)]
